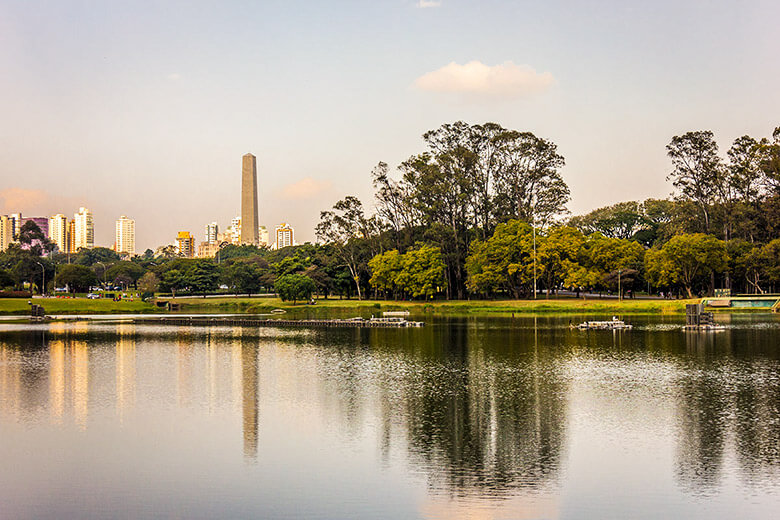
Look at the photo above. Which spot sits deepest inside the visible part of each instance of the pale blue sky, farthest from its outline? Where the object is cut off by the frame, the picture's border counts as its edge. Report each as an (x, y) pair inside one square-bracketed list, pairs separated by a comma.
[(145, 108)]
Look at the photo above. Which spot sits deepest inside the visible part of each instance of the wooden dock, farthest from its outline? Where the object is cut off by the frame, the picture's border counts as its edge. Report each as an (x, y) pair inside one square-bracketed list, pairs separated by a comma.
[(354, 323)]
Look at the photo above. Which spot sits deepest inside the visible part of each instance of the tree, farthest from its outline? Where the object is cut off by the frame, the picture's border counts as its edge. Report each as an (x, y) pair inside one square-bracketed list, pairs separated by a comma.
[(698, 171), (423, 271), (557, 254), (78, 278), (148, 283), (124, 271), (621, 220), (26, 265), (294, 287), (6, 279), (528, 183), (688, 260), (202, 277), (173, 280), (95, 255), (244, 277), (385, 269), (503, 262), (343, 228), (32, 238)]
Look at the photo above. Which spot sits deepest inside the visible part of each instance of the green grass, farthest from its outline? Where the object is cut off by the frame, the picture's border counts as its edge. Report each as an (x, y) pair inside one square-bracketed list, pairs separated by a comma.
[(344, 307), (564, 306), (75, 306)]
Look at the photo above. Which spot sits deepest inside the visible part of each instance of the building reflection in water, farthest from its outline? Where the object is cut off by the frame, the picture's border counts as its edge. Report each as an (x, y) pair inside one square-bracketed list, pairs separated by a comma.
[(246, 386), (125, 369), (57, 380), (184, 368)]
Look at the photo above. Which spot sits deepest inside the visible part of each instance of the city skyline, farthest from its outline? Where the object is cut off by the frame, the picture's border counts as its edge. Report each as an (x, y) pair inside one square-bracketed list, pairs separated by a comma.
[(610, 84)]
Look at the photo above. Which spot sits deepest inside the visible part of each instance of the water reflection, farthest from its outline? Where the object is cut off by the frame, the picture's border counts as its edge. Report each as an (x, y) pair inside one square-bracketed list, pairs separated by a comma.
[(474, 408)]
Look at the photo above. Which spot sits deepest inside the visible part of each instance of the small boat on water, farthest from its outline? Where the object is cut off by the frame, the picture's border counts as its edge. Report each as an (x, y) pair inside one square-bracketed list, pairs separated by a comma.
[(613, 324)]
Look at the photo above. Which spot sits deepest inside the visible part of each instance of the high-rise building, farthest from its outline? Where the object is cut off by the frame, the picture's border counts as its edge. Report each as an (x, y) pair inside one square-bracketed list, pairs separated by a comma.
[(125, 236), (58, 232), (85, 230), (284, 236), (249, 219), (72, 236), (212, 232), (6, 231), (186, 244), (233, 234), (17, 224), (263, 236)]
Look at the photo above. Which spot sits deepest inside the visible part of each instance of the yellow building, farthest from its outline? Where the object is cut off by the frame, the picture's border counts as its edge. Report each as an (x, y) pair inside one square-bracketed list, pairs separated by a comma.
[(6, 231), (58, 232), (186, 244)]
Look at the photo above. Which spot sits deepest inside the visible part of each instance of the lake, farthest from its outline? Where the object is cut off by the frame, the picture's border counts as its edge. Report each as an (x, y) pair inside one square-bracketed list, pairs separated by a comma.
[(500, 417)]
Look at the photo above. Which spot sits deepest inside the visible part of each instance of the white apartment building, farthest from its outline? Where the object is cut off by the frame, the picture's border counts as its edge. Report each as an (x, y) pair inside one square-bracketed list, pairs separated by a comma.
[(285, 236), (58, 232), (125, 236), (85, 230), (212, 233)]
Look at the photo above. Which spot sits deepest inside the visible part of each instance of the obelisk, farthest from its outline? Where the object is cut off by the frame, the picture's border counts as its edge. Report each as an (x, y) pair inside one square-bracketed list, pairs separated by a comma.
[(249, 221)]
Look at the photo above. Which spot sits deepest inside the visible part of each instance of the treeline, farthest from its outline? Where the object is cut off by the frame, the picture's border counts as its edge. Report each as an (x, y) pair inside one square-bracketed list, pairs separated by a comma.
[(482, 213), (492, 203), (294, 273)]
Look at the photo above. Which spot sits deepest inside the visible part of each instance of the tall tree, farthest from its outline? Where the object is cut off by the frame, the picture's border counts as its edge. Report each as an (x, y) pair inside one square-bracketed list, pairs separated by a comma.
[(344, 227), (698, 172)]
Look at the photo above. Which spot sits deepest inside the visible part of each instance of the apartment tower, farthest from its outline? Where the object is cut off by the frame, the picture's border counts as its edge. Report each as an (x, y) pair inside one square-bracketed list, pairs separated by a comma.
[(249, 219), (58, 232), (85, 230), (125, 235)]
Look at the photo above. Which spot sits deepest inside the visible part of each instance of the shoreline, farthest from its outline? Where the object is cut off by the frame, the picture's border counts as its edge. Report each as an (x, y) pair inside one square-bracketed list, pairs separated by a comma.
[(258, 305)]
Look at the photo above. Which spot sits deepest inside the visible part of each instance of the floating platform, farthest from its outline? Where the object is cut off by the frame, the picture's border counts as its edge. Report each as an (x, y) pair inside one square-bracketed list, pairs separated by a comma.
[(613, 324), (352, 323)]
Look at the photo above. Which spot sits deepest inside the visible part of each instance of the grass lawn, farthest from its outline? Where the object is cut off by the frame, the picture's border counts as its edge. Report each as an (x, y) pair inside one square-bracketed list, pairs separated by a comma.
[(52, 306), (563, 305), (75, 306)]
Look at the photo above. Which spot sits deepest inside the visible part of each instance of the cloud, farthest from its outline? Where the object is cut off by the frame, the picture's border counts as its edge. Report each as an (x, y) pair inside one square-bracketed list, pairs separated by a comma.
[(424, 4), (15, 200), (505, 80), (173, 76), (304, 189)]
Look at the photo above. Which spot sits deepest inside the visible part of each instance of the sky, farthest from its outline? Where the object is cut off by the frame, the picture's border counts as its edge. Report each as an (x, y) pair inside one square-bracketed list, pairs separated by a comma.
[(145, 108)]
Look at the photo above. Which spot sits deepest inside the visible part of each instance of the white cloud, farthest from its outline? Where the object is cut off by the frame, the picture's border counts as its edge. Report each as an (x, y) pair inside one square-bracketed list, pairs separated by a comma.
[(306, 188), (423, 4), (173, 76), (505, 80)]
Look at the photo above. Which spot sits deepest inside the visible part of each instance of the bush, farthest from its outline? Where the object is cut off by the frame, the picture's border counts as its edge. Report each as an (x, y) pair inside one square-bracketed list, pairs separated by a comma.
[(15, 294)]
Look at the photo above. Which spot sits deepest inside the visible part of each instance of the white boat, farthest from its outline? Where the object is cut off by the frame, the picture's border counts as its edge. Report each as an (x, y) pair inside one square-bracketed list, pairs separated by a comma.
[(613, 324)]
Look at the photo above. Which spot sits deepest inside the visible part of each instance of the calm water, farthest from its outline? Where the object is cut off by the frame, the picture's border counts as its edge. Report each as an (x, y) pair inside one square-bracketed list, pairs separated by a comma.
[(465, 418)]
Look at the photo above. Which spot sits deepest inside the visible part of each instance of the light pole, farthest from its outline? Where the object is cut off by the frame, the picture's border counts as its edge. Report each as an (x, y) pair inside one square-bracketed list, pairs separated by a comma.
[(620, 293), (533, 228), (43, 277)]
